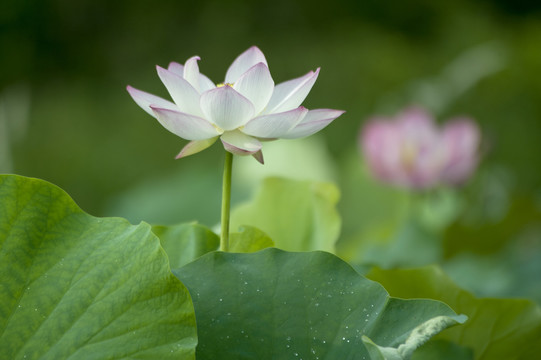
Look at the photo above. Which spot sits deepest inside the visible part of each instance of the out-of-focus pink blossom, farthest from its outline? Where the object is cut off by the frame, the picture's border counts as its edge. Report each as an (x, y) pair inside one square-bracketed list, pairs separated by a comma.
[(411, 151), (461, 138)]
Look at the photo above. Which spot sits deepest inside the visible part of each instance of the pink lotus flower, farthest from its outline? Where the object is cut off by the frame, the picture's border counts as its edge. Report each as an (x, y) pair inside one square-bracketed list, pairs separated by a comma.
[(411, 151), (244, 110)]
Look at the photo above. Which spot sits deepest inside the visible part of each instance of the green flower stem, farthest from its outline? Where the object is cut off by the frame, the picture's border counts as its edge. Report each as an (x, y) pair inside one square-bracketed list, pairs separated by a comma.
[(226, 201)]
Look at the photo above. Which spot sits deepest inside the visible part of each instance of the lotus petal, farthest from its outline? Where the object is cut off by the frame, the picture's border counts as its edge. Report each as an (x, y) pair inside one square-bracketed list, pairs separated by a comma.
[(195, 146), (226, 108), (244, 62), (240, 144), (176, 68), (191, 71), (204, 82), (461, 138), (314, 121), (186, 126), (182, 92), (275, 125), (144, 100), (259, 157), (290, 94), (256, 85)]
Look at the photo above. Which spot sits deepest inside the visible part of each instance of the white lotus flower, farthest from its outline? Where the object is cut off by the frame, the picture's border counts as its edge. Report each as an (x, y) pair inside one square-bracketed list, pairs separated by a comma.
[(244, 110)]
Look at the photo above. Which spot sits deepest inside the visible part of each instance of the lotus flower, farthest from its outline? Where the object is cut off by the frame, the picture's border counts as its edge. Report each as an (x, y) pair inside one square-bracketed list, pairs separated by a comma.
[(243, 111), (411, 151)]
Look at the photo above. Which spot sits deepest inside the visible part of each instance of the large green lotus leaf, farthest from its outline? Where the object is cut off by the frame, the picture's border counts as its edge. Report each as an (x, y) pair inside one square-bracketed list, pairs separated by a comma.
[(297, 215), (312, 305), (79, 287), (186, 242), (497, 328)]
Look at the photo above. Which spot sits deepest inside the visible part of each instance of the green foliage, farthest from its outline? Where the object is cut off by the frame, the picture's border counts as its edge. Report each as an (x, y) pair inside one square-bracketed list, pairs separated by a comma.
[(497, 328), (493, 249), (390, 227), (297, 215), (79, 287), (184, 243), (418, 336), (174, 197), (370, 209), (442, 350), (275, 304), (249, 239)]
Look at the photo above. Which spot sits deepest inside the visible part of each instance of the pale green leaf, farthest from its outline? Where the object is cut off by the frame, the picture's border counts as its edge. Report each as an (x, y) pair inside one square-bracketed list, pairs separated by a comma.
[(497, 329), (186, 242), (79, 287), (249, 239), (297, 215)]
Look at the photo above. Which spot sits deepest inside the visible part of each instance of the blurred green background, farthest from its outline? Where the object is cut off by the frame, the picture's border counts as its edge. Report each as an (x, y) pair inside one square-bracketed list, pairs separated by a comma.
[(66, 117)]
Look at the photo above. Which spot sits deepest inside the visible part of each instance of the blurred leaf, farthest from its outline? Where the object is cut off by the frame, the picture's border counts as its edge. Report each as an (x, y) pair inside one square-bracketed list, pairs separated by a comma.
[(495, 213), (411, 244), (483, 236), (418, 336), (497, 328), (442, 350), (388, 226), (373, 216), (249, 239), (191, 194), (368, 204), (300, 159), (511, 272), (278, 305), (184, 243), (76, 286), (297, 215), (438, 208)]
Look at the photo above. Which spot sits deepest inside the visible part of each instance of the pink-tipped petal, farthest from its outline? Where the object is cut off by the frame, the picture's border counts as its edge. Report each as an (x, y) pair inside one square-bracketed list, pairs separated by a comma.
[(313, 121), (240, 144), (204, 82), (226, 108), (176, 68), (144, 100), (275, 125), (461, 138), (381, 147), (186, 126), (259, 157), (184, 94), (244, 62), (195, 146), (290, 94), (191, 71), (416, 120), (256, 85)]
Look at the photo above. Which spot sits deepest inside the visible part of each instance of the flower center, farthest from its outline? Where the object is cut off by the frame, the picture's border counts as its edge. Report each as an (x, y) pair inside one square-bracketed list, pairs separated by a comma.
[(224, 84), (409, 156)]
